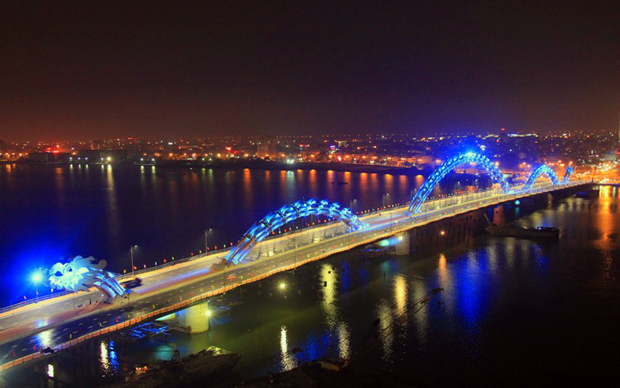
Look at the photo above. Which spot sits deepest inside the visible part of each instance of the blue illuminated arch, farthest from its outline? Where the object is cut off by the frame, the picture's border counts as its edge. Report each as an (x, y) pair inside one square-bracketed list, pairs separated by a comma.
[(471, 157), (260, 230), (538, 171), (569, 171)]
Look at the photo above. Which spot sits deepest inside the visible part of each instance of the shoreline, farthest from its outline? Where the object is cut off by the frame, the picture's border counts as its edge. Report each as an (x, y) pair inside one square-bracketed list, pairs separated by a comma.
[(256, 165)]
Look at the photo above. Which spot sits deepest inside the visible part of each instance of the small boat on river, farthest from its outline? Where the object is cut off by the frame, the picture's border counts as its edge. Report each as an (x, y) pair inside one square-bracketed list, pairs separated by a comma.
[(541, 232), (193, 370), (589, 194)]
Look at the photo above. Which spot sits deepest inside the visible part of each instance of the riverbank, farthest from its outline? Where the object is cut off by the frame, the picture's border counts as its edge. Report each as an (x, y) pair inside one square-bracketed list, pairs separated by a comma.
[(238, 164)]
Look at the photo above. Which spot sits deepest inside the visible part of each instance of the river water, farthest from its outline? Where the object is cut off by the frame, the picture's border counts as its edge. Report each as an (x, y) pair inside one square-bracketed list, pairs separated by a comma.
[(512, 311)]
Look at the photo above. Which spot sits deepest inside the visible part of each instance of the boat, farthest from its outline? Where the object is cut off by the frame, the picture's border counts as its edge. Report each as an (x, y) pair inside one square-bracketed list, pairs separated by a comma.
[(208, 363), (586, 194), (541, 232), (188, 371)]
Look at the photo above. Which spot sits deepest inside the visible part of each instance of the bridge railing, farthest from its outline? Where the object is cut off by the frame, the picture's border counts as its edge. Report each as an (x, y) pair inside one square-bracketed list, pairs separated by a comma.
[(34, 300)]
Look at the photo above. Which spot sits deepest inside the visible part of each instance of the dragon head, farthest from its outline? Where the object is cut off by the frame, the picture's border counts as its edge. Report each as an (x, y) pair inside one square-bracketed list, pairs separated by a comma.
[(77, 275)]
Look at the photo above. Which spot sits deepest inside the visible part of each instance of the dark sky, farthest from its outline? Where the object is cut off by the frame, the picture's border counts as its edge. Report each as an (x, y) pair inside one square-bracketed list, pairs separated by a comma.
[(101, 69)]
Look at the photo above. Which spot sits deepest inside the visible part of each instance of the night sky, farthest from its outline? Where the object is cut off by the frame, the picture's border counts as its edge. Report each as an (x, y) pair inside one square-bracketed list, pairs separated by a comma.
[(116, 69)]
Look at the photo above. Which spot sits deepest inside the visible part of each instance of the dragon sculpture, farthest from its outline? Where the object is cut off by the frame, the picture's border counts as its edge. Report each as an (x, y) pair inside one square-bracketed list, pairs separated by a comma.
[(81, 273)]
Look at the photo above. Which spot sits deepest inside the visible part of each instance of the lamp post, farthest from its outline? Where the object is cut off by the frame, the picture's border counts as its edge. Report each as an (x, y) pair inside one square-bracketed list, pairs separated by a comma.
[(131, 254), (207, 241), (36, 278)]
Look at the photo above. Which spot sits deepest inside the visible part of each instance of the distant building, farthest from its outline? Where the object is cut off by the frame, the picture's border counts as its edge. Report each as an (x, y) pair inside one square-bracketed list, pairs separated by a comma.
[(96, 145), (266, 148), (107, 156), (49, 157)]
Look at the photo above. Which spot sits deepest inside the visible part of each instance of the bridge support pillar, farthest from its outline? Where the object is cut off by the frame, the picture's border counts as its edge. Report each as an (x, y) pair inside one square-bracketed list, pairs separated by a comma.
[(499, 218), (194, 319), (403, 246)]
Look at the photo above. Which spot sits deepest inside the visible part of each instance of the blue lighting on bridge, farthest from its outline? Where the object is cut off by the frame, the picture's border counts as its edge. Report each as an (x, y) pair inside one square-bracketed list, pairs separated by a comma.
[(81, 273), (567, 173), (261, 230), (538, 171), (470, 157)]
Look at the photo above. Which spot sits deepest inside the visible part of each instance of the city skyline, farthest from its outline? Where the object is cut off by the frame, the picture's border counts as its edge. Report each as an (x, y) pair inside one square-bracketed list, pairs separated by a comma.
[(192, 70)]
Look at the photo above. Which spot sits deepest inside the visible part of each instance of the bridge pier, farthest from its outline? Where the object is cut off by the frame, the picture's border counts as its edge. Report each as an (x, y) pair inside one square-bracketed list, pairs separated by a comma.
[(194, 319), (499, 216), (403, 246)]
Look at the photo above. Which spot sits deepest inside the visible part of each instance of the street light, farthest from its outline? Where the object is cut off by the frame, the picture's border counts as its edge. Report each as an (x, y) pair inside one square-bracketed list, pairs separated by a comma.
[(282, 286), (131, 254), (37, 277), (207, 240)]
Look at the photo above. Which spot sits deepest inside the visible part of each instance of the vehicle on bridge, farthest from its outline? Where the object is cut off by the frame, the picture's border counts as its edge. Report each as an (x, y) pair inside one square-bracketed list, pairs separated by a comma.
[(131, 283)]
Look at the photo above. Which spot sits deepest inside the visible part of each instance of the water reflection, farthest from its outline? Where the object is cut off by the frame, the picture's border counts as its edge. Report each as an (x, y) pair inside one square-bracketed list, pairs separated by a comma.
[(400, 294), (335, 324), (287, 359), (420, 312), (386, 329), (328, 280), (108, 358)]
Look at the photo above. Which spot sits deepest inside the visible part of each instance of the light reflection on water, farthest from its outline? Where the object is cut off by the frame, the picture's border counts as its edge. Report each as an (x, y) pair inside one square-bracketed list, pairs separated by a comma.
[(328, 282), (108, 357), (386, 329), (288, 360)]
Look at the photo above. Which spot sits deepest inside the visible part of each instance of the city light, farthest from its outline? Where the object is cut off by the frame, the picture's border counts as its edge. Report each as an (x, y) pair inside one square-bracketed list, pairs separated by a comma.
[(282, 286), (37, 277)]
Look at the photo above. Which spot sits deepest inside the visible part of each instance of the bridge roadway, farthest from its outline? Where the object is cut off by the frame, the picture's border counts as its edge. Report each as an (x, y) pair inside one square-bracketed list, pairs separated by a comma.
[(58, 322)]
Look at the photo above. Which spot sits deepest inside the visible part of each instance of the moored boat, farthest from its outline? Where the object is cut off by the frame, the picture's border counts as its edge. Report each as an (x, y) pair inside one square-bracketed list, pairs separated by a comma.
[(586, 194), (187, 371), (541, 232)]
